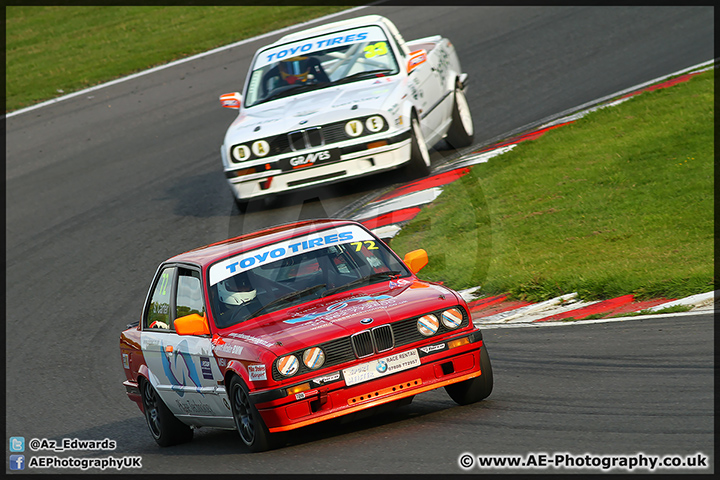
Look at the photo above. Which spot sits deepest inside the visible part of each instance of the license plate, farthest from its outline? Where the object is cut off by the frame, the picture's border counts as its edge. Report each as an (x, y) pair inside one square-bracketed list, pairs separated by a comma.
[(309, 159), (381, 367)]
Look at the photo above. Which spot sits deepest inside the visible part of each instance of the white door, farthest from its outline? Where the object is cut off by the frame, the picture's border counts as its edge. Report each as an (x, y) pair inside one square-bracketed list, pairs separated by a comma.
[(183, 369)]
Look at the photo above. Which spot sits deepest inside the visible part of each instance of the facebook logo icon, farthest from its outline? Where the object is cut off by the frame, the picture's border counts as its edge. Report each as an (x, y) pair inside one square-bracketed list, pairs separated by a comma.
[(17, 462)]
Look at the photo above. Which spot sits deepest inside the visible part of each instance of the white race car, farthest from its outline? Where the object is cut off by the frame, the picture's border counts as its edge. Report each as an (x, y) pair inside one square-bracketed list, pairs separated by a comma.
[(339, 101)]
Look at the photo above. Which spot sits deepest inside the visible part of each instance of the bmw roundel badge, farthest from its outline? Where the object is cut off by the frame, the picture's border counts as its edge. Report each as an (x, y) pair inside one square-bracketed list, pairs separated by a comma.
[(366, 321), (381, 366)]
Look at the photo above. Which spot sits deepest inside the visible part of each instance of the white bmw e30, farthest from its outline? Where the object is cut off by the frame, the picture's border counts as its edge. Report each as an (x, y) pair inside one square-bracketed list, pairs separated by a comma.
[(339, 101)]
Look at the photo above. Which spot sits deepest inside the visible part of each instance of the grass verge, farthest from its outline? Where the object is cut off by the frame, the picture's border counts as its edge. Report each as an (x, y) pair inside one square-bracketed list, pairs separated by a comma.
[(621, 201), (54, 50)]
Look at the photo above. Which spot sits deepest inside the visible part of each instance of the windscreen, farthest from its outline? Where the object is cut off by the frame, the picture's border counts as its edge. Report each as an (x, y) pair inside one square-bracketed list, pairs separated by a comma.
[(299, 270), (320, 62)]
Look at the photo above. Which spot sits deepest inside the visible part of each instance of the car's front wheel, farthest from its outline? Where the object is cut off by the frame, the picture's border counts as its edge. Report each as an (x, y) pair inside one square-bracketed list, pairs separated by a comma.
[(248, 421), (461, 130), (164, 427), (475, 389), (242, 204)]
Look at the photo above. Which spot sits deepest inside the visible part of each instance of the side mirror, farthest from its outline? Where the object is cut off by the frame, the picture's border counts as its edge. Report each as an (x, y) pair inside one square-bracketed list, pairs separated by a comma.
[(192, 324), (231, 100), (416, 58), (416, 260)]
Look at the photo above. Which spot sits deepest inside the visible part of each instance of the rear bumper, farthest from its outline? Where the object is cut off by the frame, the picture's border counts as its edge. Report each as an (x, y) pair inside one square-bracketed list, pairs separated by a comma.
[(337, 399), (133, 392)]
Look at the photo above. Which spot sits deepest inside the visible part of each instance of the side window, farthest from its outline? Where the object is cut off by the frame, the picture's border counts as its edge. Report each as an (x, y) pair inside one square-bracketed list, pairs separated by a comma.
[(158, 315), (189, 294)]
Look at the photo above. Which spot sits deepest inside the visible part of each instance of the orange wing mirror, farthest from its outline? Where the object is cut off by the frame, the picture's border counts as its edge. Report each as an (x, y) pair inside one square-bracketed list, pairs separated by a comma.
[(416, 260), (416, 58), (192, 324), (231, 100)]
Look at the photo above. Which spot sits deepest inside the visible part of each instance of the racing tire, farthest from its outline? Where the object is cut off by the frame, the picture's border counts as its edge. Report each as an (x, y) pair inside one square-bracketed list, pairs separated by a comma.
[(419, 164), (475, 389), (250, 425), (241, 204), (462, 131), (164, 427)]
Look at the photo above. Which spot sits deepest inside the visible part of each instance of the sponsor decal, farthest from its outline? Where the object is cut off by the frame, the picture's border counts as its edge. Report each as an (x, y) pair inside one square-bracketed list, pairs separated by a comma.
[(229, 348), (327, 378), (191, 406), (245, 261), (309, 159), (337, 306), (381, 367), (206, 368), (222, 362), (432, 348), (400, 282), (251, 339), (307, 46), (381, 92), (257, 372), (126, 361)]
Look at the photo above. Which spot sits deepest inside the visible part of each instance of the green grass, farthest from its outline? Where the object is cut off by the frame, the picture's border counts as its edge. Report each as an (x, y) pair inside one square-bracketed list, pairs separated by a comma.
[(621, 201), (54, 50)]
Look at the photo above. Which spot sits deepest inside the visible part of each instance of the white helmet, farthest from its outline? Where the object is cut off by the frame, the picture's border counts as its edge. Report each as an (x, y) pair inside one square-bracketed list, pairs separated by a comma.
[(230, 294)]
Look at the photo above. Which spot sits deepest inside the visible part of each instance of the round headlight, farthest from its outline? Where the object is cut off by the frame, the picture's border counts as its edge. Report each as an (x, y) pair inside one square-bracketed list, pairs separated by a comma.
[(375, 123), (428, 324), (288, 365), (240, 153), (261, 148), (354, 128), (314, 357), (452, 318)]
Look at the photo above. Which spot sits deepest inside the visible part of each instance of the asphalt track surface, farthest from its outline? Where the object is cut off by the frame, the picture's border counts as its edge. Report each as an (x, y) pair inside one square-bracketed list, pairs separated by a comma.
[(104, 186)]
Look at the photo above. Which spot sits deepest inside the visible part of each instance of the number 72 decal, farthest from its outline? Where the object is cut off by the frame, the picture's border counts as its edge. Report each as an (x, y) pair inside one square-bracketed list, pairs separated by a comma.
[(369, 244)]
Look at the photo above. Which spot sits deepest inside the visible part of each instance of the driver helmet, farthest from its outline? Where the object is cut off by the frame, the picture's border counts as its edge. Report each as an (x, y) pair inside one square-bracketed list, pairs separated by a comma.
[(235, 291), (294, 69)]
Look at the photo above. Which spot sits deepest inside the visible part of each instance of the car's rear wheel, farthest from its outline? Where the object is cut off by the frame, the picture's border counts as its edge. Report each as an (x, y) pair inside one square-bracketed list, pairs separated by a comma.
[(475, 389), (164, 427), (419, 164), (248, 421), (461, 130)]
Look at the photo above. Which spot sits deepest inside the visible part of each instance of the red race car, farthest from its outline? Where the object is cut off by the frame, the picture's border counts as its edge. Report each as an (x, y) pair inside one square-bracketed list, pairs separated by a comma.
[(293, 325)]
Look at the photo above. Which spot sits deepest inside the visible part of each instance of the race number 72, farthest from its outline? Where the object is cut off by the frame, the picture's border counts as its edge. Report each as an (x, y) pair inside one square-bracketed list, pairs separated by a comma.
[(369, 244)]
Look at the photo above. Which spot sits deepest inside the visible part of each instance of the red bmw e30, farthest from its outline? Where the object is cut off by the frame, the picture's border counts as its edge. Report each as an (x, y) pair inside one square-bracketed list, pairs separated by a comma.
[(293, 325)]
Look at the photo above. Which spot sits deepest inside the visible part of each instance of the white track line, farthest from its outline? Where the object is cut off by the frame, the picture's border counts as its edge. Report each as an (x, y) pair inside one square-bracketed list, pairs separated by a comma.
[(178, 62)]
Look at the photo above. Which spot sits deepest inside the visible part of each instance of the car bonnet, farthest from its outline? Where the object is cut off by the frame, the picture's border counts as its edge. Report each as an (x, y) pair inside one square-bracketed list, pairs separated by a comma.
[(285, 114), (339, 316)]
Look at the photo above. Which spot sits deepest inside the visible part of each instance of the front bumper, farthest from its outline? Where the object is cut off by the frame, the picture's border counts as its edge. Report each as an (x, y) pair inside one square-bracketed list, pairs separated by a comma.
[(336, 399), (355, 160)]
